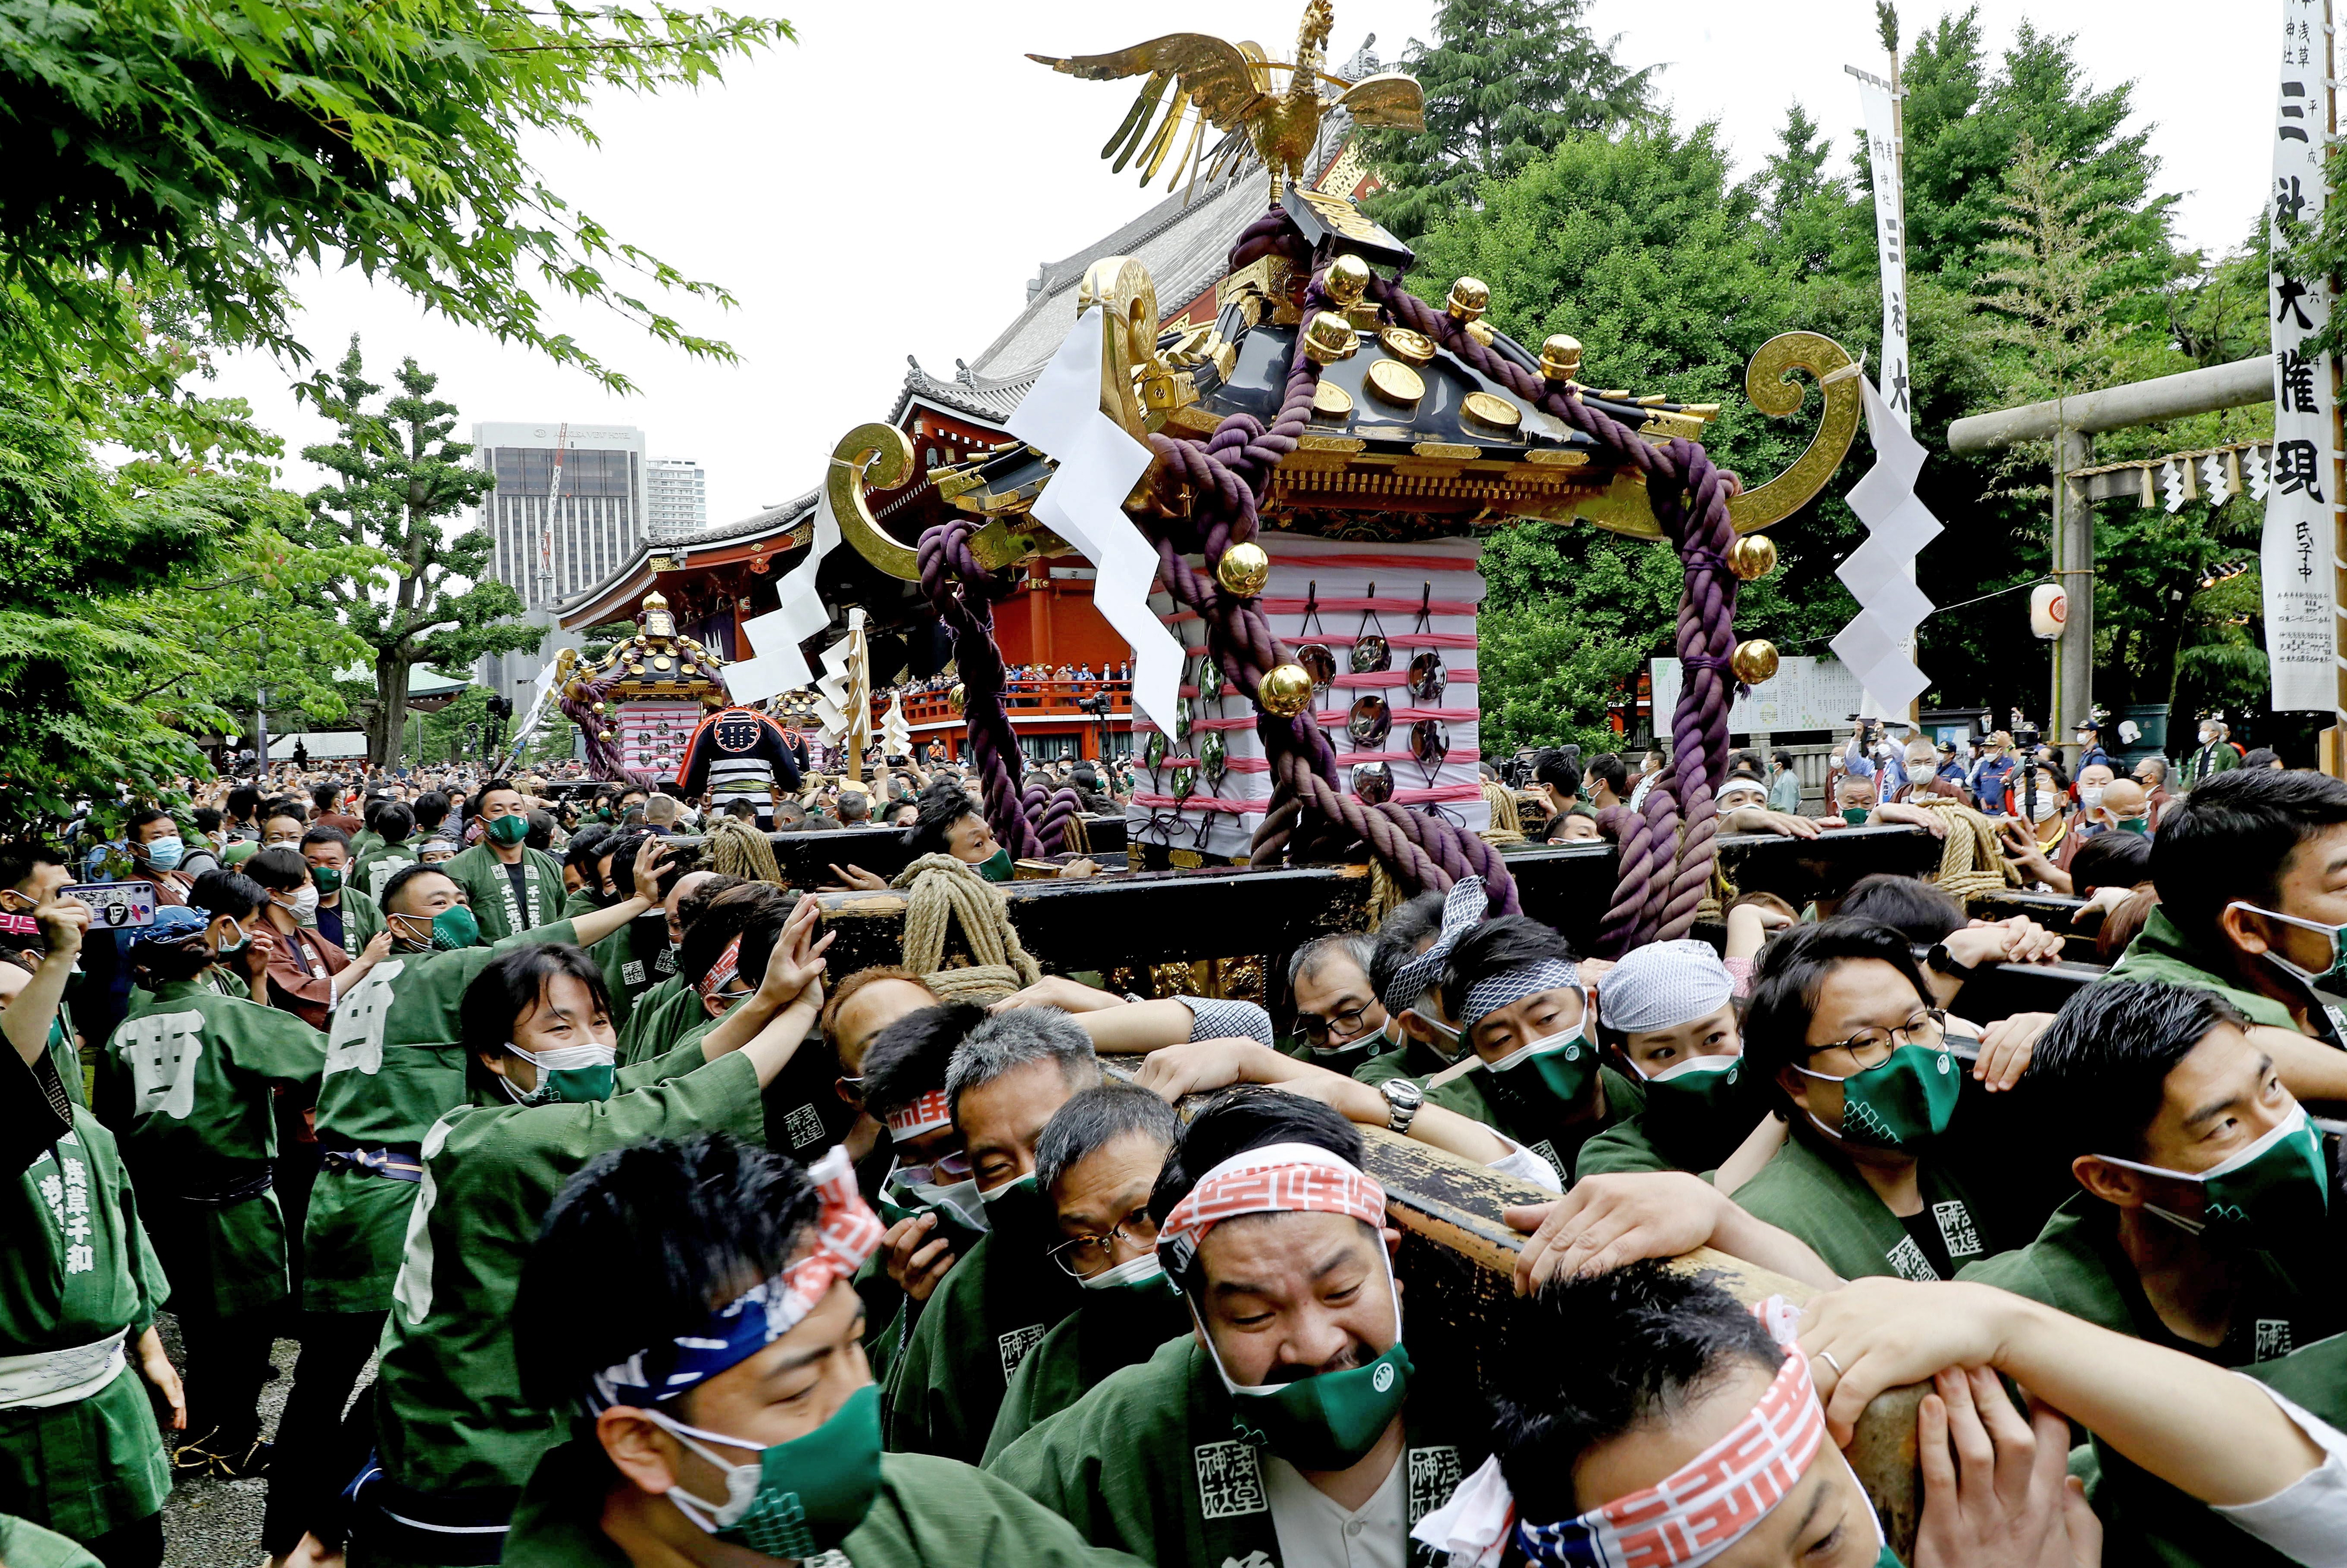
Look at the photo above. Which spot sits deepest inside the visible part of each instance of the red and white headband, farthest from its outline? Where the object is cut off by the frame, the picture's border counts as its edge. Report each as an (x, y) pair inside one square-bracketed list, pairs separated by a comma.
[(926, 1114), (720, 973), (1276, 1179)]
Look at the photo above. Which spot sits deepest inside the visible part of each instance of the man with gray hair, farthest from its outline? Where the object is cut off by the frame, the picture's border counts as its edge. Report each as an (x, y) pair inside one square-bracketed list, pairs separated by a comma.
[(1003, 1084), (1096, 1161), (1339, 1023)]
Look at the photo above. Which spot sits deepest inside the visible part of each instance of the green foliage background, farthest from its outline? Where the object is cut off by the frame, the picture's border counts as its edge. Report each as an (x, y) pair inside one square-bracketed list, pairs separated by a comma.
[(2042, 261)]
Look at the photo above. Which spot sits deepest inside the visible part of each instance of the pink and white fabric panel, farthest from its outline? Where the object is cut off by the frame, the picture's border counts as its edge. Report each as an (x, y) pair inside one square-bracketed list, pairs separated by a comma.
[(1389, 633)]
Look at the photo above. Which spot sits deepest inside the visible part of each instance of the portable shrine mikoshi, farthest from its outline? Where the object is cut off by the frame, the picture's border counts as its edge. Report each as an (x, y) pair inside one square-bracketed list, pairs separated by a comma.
[(1320, 461)]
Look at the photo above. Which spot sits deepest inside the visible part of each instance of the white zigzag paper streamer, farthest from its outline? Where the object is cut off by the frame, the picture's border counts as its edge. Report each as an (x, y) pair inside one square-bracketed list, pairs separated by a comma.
[(780, 666), (2256, 465), (1084, 504), (1878, 573), (2171, 485), (2216, 484)]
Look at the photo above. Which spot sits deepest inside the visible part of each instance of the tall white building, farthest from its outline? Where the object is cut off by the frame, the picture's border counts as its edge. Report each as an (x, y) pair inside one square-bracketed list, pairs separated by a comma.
[(556, 530), (676, 499), (560, 527)]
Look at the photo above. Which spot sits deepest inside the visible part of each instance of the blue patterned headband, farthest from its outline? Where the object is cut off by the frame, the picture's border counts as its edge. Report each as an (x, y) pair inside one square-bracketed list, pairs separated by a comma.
[(1462, 911), (1489, 995)]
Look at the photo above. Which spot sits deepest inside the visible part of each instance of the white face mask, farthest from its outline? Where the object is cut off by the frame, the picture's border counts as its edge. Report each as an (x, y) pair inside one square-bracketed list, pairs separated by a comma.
[(2206, 736), (1130, 1272), (2090, 796), (960, 1199), (304, 904), (2048, 802)]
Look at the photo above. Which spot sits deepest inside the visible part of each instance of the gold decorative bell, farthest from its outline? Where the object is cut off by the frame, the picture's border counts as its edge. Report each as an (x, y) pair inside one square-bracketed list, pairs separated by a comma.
[(1754, 662), (956, 697), (606, 736), (1329, 338), (1560, 357), (1284, 690), (1469, 297), (1348, 279), (1243, 569), (1752, 557)]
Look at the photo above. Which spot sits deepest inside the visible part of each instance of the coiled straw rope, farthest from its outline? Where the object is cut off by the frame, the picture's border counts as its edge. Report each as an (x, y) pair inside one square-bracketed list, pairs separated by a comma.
[(943, 892), (735, 848)]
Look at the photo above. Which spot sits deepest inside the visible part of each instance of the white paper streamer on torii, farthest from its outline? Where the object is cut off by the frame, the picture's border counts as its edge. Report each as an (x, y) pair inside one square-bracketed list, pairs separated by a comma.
[(1099, 465), (779, 666), (1879, 573)]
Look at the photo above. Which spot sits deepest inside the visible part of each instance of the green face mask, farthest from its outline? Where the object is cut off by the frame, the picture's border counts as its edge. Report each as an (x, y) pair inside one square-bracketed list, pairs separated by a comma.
[(1855, 815), (1324, 1422), (329, 880), (2138, 825), (2275, 1192), (1902, 1102), (451, 928), (802, 1498), (1020, 1217), (506, 830), (574, 1075), (1550, 1074), (996, 867)]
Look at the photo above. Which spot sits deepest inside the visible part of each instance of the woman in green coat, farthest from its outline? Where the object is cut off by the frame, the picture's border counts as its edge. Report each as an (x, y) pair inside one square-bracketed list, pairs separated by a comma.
[(1843, 1041)]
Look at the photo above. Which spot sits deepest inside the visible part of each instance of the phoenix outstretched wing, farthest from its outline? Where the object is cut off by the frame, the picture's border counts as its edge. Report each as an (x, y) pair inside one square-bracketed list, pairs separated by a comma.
[(1225, 80), (1390, 98)]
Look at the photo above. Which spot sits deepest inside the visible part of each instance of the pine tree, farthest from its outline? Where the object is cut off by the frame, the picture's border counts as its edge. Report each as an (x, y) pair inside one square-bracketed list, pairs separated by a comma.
[(1505, 81), (398, 474)]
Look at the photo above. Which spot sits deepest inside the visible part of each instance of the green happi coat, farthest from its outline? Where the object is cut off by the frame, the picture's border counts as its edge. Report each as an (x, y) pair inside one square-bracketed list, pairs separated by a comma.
[(2162, 952), (1483, 1095), (890, 1315), (196, 1070), (393, 1067), (952, 1371), (1106, 1332), (659, 1020), (930, 1513), (362, 918), (2147, 1521), (1148, 1463), (1819, 1195), (634, 959), (489, 889), (1666, 1136), (24, 1544), (79, 1273), (2075, 1263), (374, 868), (451, 1419)]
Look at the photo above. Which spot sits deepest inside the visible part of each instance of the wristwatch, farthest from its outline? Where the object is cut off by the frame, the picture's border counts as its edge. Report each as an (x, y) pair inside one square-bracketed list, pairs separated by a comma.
[(1403, 1101), (1946, 963)]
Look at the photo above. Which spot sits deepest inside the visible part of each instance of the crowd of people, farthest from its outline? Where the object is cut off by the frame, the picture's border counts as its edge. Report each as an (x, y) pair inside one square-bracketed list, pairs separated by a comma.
[(617, 1227)]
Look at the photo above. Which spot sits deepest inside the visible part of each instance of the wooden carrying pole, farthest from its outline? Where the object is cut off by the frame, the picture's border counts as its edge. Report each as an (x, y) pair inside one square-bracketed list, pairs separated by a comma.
[(1457, 1264)]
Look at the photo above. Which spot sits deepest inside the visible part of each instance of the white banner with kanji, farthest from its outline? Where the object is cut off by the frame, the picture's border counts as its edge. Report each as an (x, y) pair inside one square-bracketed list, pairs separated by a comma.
[(2296, 564), (1879, 98)]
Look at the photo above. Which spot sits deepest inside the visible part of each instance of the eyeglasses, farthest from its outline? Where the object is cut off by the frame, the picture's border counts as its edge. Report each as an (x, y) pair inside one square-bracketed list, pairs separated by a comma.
[(1873, 1046), (942, 1171), (1088, 1254), (1317, 1028)]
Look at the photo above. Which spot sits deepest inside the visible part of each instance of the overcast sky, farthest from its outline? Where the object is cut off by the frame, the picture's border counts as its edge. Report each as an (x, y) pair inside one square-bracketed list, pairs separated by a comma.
[(886, 185)]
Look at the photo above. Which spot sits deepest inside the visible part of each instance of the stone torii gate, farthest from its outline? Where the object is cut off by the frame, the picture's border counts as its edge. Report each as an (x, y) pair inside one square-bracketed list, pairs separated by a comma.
[(2071, 424)]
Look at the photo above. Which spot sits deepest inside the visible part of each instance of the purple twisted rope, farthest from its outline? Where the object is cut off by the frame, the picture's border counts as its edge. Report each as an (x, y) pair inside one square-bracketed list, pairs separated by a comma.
[(962, 593), (1689, 494)]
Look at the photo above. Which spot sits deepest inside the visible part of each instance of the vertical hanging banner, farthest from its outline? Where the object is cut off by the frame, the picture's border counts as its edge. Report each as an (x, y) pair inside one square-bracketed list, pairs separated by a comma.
[(1880, 100), (2301, 630)]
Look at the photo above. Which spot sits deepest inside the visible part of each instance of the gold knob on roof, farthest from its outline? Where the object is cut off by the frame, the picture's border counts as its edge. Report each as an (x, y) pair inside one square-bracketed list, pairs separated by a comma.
[(1329, 338), (1469, 298), (1560, 357), (1348, 279)]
